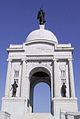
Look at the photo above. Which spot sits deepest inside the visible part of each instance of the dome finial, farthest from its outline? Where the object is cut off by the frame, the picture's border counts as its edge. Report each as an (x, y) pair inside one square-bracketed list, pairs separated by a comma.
[(41, 16)]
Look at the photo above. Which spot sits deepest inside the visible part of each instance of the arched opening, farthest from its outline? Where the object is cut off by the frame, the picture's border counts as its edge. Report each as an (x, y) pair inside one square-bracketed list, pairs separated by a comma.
[(41, 98), (40, 83)]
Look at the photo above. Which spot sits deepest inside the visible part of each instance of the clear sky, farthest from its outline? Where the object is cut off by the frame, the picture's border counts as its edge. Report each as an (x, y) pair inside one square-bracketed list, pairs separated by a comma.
[(18, 19)]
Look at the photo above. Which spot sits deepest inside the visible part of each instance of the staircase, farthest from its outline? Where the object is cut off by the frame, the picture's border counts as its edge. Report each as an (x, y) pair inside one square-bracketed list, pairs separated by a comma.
[(38, 116)]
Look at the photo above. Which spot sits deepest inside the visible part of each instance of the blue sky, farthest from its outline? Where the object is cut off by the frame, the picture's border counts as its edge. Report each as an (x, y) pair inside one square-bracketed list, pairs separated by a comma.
[(18, 19)]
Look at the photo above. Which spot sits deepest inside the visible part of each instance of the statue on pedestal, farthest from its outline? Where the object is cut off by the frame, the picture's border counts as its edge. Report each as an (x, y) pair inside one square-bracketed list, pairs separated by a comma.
[(41, 17), (63, 90), (14, 89)]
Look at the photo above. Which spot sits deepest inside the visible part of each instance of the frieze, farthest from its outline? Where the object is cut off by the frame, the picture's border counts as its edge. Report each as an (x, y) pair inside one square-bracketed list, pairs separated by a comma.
[(42, 49), (39, 58)]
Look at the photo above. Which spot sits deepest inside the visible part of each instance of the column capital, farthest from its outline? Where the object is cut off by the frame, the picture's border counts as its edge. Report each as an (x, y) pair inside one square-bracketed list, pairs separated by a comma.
[(24, 60)]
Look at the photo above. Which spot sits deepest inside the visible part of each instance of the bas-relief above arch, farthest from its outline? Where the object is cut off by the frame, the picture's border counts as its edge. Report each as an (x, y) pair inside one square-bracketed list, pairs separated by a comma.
[(39, 49)]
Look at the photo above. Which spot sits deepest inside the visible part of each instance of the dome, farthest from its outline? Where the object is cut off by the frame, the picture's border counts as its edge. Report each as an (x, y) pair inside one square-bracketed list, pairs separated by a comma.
[(41, 34)]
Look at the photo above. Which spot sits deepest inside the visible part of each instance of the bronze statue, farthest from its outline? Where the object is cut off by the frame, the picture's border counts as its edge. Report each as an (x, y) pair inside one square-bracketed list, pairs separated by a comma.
[(14, 89), (41, 17), (63, 90)]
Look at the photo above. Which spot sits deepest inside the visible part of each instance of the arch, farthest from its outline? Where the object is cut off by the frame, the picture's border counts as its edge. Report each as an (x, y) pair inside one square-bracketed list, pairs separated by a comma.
[(37, 69), (37, 75)]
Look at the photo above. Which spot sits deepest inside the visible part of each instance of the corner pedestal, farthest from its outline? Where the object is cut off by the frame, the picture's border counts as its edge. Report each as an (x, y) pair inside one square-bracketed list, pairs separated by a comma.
[(15, 106), (63, 105)]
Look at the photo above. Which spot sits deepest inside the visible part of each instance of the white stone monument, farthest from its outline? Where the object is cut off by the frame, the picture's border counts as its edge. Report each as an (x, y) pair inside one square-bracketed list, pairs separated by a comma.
[(40, 53)]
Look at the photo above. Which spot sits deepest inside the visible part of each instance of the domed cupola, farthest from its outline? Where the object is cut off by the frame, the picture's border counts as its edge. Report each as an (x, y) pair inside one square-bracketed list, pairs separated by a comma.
[(41, 34)]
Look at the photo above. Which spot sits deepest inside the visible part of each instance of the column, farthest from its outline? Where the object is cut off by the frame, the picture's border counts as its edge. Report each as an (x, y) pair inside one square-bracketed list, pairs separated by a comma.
[(23, 78), (55, 90), (8, 78), (27, 82), (28, 88), (71, 77), (52, 86), (52, 93)]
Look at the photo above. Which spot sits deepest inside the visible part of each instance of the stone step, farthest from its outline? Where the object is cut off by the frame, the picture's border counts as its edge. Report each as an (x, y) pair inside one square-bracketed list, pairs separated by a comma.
[(38, 116)]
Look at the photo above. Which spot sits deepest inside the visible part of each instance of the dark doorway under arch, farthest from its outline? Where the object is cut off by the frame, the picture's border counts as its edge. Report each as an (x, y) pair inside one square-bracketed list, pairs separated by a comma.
[(39, 83)]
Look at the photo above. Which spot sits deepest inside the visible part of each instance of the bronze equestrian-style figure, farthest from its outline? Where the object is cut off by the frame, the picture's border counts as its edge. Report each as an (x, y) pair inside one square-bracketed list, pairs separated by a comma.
[(41, 17)]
